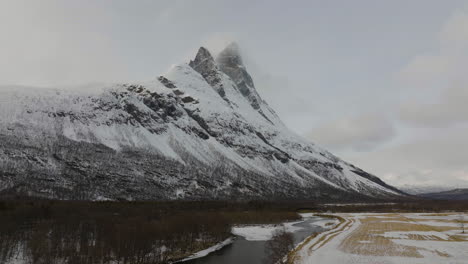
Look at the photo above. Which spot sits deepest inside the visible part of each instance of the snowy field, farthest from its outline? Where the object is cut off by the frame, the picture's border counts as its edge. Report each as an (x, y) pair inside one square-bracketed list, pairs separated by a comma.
[(392, 238), (266, 232)]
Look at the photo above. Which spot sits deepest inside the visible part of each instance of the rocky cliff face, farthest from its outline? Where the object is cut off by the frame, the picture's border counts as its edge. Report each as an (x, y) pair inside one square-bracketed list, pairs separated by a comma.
[(201, 131)]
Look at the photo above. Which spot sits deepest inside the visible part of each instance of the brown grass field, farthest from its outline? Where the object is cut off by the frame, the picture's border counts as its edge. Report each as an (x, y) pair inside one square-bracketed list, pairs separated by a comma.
[(382, 236), (369, 238)]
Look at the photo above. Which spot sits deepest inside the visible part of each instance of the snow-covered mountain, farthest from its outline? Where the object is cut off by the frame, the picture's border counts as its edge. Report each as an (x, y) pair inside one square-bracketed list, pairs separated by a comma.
[(201, 131)]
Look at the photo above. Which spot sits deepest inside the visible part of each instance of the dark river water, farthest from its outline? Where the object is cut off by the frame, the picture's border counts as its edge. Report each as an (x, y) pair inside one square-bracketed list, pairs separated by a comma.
[(242, 251)]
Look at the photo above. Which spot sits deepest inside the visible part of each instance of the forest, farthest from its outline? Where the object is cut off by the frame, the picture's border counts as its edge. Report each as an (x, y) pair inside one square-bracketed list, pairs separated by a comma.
[(48, 231)]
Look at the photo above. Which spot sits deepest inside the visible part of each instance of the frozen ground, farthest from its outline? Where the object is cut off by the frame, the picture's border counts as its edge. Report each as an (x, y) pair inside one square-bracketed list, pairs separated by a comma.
[(263, 232), (209, 250), (390, 239), (266, 232)]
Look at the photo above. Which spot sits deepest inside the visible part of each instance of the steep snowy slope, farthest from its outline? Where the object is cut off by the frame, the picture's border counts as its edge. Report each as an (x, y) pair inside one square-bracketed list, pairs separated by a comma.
[(199, 131)]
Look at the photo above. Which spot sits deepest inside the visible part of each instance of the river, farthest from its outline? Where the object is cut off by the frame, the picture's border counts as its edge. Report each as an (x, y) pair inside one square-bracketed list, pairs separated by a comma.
[(253, 252)]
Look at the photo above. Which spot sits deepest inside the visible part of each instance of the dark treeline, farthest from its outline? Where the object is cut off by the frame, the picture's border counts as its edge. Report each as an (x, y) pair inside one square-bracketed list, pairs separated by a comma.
[(123, 232)]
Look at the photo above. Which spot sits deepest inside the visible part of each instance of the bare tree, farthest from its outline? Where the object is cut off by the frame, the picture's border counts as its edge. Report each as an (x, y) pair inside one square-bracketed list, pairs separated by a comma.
[(278, 247), (461, 222)]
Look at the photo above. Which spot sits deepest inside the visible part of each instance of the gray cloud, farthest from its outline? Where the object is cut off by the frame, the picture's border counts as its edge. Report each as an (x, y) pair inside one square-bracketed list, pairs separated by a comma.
[(451, 109), (46, 44), (432, 145), (435, 159), (360, 133), (442, 74)]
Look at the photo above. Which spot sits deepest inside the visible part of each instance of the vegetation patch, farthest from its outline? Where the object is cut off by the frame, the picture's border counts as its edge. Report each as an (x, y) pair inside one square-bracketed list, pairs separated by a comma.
[(79, 232), (375, 232)]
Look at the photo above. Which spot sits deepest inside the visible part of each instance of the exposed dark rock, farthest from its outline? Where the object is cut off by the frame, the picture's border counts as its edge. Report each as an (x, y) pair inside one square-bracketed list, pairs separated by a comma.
[(178, 92), (166, 82), (206, 66), (375, 179), (201, 122), (189, 99)]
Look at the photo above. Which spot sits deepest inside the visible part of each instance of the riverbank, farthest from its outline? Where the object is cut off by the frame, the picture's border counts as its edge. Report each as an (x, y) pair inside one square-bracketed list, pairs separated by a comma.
[(251, 243), (333, 223), (205, 252)]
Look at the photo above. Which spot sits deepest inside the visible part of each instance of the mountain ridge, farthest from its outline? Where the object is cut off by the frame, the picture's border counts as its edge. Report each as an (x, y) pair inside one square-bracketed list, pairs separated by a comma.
[(453, 194), (201, 131)]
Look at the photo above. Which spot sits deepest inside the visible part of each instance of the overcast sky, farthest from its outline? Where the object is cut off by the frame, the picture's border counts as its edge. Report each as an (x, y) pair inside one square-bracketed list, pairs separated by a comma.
[(382, 84)]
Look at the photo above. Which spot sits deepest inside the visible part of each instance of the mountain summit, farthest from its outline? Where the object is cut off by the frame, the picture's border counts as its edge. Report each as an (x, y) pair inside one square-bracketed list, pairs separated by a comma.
[(201, 131), (230, 62)]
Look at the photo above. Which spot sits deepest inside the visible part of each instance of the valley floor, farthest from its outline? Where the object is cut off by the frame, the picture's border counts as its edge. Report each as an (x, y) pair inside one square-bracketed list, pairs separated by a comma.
[(389, 238)]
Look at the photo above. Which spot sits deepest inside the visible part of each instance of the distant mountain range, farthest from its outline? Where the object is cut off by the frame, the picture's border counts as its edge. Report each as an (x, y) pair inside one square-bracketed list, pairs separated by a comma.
[(456, 194), (420, 189), (201, 131)]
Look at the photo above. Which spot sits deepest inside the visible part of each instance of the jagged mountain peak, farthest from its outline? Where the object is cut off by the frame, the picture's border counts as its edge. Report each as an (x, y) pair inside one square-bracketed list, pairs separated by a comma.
[(203, 60), (229, 63), (206, 66)]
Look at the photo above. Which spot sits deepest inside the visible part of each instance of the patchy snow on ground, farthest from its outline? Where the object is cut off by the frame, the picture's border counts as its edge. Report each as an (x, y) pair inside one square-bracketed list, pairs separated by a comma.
[(444, 216), (325, 223), (431, 223), (458, 250), (389, 239), (209, 250), (256, 233), (266, 232), (263, 232), (407, 234), (307, 215)]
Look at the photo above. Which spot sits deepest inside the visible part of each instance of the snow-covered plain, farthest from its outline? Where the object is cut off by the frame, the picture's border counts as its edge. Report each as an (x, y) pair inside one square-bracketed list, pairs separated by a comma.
[(390, 239), (266, 232), (263, 232)]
